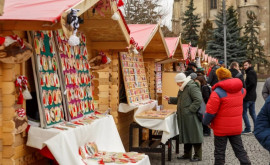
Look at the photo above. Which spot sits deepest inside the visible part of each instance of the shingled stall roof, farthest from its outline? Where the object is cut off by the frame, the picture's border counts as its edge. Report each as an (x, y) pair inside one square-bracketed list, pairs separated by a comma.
[(39, 14), (193, 51), (101, 30), (150, 39), (175, 50)]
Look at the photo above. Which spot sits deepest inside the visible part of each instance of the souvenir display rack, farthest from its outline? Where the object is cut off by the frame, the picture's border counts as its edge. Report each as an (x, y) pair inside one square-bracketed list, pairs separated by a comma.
[(77, 78), (158, 78), (63, 78), (151, 114), (134, 78), (48, 83)]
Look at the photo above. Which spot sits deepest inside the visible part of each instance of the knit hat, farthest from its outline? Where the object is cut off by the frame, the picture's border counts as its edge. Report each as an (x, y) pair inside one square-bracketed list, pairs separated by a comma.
[(223, 73), (180, 77), (221, 62), (193, 76)]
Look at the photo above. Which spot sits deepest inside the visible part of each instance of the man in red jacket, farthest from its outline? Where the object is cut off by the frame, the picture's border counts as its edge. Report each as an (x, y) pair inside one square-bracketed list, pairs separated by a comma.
[(224, 115)]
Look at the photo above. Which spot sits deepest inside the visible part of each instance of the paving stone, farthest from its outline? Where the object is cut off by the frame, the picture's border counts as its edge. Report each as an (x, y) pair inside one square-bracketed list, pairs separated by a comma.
[(257, 154)]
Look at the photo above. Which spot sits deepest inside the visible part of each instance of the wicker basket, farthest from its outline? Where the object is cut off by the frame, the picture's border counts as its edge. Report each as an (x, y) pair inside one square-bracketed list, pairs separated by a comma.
[(13, 54), (96, 64)]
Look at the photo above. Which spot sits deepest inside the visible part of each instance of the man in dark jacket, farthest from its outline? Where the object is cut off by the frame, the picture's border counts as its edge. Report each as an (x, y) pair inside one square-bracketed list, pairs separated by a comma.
[(236, 73), (191, 68), (224, 112), (262, 125), (249, 100), (266, 89), (212, 79)]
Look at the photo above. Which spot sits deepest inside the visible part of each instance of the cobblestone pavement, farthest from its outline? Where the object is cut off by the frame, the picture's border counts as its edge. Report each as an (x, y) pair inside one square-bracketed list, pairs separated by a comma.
[(257, 154)]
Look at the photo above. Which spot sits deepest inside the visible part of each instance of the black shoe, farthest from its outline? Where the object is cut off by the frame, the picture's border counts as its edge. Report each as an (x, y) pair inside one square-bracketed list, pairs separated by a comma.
[(182, 157), (195, 159)]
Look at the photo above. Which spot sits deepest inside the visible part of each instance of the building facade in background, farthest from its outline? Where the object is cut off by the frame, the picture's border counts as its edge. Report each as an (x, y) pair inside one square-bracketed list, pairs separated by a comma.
[(207, 9)]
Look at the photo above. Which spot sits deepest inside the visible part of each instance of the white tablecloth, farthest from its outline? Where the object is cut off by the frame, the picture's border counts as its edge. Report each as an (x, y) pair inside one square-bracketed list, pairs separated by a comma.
[(169, 126), (144, 161), (64, 145)]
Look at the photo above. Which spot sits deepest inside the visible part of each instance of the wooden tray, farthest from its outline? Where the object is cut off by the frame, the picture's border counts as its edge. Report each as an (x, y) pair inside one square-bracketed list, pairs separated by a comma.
[(151, 114)]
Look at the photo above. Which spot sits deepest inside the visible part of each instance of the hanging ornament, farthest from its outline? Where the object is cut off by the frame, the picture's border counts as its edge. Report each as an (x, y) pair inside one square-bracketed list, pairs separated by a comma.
[(22, 82), (120, 3), (20, 121), (74, 21)]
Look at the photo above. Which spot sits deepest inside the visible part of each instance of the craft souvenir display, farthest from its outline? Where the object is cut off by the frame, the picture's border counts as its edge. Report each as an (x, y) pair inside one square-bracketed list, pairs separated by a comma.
[(75, 69), (51, 99), (134, 78), (150, 114), (89, 151)]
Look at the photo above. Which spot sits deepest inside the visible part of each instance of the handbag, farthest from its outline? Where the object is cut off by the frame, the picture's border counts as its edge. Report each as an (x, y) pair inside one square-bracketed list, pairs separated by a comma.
[(201, 111)]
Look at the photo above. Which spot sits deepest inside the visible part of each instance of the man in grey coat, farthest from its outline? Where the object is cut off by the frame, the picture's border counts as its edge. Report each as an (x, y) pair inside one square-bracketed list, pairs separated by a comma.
[(266, 89)]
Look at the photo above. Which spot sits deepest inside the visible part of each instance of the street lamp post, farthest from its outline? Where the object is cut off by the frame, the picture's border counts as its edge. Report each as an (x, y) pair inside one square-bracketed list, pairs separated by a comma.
[(225, 37)]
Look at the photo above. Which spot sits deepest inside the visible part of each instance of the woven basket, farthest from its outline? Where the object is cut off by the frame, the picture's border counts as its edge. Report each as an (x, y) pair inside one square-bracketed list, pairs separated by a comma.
[(95, 63), (13, 54)]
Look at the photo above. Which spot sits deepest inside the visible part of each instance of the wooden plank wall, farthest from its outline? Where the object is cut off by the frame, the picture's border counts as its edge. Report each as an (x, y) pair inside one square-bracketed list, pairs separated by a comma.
[(1, 114), (14, 149)]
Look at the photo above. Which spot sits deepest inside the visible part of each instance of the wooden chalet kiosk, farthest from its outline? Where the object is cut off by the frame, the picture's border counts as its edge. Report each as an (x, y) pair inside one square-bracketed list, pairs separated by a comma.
[(154, 48), (104, 32)]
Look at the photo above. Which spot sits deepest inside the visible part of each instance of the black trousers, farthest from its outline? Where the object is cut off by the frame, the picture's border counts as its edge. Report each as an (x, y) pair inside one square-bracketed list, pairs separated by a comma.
[(197, 150), (237, 145)]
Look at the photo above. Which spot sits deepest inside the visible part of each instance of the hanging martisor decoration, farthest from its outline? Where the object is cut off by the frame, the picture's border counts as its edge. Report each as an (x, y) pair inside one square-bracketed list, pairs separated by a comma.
[(14, 50), (78, 80), (22, 82), (20, 121), (52, 110), (101, 61), (74, 22)]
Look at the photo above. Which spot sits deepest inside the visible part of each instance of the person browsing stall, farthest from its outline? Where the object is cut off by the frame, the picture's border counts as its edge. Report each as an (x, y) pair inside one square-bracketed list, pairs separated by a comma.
[(188, 101)]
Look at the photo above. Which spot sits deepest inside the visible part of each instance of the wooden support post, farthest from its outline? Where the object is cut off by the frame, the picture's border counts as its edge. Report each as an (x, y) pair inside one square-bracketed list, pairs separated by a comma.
[(2, 3)]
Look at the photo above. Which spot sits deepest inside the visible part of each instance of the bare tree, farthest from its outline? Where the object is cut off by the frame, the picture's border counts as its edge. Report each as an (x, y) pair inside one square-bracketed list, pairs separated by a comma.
[(144, 11)]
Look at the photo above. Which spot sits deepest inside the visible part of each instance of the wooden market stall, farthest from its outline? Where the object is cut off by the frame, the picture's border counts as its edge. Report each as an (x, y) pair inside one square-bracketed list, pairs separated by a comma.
[(153, 47), (171, 69), (103, 33)]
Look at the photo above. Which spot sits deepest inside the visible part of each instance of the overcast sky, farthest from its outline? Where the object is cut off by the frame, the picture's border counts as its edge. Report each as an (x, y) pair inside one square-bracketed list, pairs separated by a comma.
[(168, 5)]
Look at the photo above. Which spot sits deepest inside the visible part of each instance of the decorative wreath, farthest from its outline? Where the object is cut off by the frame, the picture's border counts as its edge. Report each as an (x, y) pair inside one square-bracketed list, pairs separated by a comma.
[(14, 50)]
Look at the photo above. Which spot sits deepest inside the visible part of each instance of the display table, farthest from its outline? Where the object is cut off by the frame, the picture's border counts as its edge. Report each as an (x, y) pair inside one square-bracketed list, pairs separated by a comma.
[(64, 144), (169, 125)]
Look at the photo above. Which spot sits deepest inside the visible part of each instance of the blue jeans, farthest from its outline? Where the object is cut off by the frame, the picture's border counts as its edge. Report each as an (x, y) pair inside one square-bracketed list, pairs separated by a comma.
[(249, 105)]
